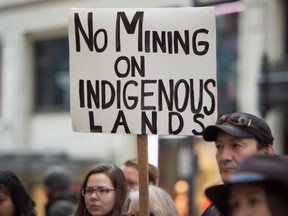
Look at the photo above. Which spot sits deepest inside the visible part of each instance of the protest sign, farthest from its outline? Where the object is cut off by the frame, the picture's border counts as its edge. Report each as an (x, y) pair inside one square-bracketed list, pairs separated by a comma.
[(143, 71)]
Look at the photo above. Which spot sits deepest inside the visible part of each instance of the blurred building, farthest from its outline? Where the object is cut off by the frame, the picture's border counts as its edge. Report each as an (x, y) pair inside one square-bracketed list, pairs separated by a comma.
[(35, 124)]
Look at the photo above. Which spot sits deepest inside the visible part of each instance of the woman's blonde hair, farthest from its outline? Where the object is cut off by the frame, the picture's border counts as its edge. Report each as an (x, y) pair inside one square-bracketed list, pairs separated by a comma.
[(160, 202)]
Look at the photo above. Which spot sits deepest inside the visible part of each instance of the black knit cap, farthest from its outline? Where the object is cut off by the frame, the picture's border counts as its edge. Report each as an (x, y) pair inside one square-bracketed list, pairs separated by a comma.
[(268, 171), (240, 125)]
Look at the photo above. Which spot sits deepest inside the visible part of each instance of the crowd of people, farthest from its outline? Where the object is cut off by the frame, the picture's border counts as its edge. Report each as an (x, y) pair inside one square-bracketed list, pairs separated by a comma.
[(255, 180)]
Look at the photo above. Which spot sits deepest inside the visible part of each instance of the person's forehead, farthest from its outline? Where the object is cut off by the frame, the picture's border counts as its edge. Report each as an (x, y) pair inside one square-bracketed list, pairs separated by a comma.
[(99, 179), (130, 170)]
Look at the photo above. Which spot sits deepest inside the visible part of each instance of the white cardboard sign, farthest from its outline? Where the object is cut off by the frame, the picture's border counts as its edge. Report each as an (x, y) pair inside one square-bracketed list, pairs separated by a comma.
[(143, 71)]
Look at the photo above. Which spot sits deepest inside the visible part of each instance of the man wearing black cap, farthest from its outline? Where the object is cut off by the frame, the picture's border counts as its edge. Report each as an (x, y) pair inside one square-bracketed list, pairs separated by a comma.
[(237, 135)]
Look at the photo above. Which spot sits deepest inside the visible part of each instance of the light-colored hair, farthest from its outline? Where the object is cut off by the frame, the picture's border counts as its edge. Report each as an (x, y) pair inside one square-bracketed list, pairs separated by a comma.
[(160, 202)]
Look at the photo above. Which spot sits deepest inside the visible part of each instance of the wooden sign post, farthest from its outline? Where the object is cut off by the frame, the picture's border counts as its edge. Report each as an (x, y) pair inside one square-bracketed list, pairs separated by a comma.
[(143, 71), (142, 147)]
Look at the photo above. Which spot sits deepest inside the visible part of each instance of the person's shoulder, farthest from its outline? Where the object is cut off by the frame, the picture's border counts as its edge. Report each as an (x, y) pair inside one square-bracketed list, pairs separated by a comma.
[(207, 210), (211, 210), (62, 207)]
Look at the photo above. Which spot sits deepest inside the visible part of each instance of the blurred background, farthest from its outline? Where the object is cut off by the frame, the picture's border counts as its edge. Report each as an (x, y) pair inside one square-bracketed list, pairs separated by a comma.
[(35, 124)]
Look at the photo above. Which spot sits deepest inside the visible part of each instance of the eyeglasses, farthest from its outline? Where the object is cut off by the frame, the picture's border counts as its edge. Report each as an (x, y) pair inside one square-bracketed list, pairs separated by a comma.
[(136, 214), (100, 191), (235, 119)]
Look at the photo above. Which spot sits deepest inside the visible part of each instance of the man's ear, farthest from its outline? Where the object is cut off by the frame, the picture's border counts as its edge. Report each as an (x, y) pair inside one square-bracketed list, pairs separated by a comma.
[(269, 150)]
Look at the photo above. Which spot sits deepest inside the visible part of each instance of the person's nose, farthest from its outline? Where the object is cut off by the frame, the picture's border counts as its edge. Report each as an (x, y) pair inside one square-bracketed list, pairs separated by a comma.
[(243, 211), (224, 155), (94, 195), (129, 188)]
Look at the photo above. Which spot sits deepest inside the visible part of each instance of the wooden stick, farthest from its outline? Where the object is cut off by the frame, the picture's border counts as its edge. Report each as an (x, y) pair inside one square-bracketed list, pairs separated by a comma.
[(143, 174)]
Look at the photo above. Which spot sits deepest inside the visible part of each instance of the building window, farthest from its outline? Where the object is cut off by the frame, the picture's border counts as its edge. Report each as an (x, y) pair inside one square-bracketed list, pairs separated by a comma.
[(227, 60), (211, 2), (286, 27), (52, 75), (1, 85), (227, 18)]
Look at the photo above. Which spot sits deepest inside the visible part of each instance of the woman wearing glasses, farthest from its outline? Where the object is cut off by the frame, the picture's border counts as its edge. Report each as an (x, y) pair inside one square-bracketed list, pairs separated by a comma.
[(102, 191), (160, 203)]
